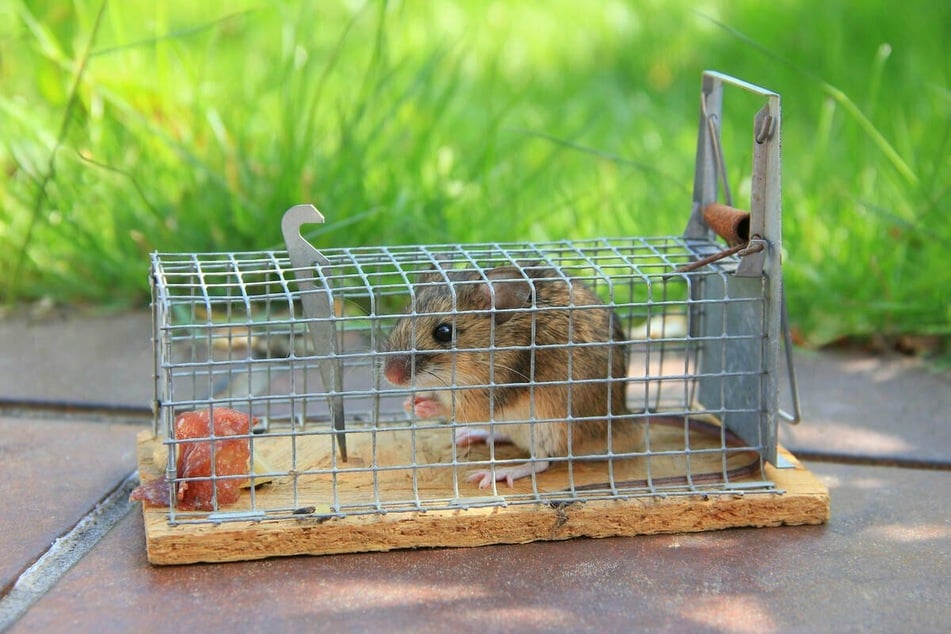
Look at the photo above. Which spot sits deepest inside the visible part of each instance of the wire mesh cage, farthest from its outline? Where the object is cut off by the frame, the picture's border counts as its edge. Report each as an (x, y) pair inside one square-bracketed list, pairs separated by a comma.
[(316, 385)]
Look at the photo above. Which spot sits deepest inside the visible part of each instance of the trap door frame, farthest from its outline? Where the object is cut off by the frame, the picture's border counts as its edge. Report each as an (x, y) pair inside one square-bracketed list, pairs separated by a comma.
[(743, 335)]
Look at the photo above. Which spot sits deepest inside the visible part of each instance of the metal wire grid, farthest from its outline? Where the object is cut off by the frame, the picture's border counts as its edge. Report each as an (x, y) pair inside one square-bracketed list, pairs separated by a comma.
[(229, 332)]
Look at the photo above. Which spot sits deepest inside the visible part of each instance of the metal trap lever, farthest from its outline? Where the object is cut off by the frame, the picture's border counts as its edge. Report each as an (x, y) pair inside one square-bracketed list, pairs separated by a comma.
[(318, 306), (733, 225), (756, 238)]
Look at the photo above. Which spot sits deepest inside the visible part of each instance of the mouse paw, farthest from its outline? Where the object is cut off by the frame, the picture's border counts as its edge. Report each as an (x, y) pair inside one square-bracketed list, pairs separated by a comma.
[(466, 436), (485, 477), (424, 407)]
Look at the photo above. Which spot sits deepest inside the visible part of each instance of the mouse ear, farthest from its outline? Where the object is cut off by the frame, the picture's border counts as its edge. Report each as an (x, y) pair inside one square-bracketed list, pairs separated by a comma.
[(443, 262), (511, 290)]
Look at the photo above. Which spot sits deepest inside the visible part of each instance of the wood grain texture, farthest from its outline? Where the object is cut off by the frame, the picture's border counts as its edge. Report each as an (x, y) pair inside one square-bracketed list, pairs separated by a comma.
[(801, 499)]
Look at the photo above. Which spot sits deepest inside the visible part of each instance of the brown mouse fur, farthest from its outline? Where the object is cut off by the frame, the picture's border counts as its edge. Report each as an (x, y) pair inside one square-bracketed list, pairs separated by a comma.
[(456, 339)]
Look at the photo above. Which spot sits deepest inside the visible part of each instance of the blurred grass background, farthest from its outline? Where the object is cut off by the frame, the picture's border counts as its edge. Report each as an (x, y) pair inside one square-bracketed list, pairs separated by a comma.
[(128, 127)]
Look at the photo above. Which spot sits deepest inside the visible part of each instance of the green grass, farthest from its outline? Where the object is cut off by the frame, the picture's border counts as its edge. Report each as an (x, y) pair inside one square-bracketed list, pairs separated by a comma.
[(128, 127)]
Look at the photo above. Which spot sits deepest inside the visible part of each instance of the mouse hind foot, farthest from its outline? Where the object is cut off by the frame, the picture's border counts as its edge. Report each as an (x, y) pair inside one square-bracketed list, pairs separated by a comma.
[(485, 477)]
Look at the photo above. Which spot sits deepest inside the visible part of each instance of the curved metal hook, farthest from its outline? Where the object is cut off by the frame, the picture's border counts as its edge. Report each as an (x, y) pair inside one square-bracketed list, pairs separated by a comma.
[(317, 303), (294, 218)]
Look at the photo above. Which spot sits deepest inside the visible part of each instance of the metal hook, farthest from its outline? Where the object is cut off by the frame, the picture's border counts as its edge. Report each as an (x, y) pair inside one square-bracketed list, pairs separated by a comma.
[(764, 129), (318, 306)]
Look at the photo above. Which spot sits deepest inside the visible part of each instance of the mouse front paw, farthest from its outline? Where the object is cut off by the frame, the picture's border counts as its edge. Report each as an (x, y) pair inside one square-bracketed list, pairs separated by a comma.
[(424, 407)]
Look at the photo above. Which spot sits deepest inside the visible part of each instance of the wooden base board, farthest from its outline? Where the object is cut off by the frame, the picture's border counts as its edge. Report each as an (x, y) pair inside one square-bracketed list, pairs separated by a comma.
[(802, 500)]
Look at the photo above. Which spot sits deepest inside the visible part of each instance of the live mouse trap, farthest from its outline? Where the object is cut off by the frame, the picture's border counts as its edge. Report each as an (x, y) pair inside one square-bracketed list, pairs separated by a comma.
[(281, 430)]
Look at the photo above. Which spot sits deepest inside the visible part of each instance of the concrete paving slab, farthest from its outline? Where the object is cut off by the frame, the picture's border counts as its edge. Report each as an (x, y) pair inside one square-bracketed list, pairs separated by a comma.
[(89, 360), (879, 565), (53, 473), (880, 406)]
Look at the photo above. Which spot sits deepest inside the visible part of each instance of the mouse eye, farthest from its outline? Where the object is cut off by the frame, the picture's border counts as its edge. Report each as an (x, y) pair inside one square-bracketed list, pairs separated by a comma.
[(443, 333)]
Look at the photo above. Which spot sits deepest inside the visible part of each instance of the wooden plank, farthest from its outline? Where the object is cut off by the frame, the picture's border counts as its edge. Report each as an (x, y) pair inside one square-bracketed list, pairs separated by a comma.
[(802, 500)]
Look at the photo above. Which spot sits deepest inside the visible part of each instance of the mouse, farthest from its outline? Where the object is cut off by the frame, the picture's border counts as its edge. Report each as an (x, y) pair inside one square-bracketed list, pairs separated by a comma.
[(499, 346)]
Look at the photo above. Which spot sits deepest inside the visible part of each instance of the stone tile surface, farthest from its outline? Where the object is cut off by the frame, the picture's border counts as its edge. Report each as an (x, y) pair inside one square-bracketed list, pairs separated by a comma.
[(879, 565), (53, 473), (97, 360), (865, 405)]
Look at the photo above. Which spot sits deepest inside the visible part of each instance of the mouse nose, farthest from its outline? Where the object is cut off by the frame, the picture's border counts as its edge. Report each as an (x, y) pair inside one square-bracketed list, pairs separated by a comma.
[(398, 369)]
